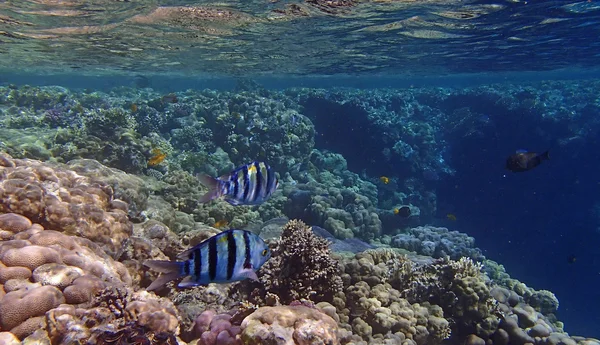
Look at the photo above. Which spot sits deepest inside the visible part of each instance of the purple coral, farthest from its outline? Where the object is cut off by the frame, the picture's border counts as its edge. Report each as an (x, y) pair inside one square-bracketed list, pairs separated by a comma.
[(57, 116), (212, 328)]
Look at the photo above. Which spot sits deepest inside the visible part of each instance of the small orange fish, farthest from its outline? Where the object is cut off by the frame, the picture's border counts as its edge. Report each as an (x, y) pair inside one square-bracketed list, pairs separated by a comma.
[(134, 108), (221, 224), (451, 217), (384, 179), (157, 157)]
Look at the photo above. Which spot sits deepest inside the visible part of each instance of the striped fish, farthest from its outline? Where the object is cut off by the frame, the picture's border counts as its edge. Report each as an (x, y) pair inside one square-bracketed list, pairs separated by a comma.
[(250, 184), (229, 256)]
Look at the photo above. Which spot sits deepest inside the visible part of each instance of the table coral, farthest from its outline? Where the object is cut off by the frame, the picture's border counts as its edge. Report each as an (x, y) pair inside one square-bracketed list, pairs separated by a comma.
[(59, 198)]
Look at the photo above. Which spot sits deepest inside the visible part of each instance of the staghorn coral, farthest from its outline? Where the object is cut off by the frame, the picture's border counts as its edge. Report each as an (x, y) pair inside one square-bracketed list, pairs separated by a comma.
[(301, 267), (59, 198)]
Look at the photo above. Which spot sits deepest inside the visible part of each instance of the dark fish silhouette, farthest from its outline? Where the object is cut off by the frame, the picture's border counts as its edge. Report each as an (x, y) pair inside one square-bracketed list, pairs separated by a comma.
[(571, 259), (403, 211), (170, 98), (522, 160)]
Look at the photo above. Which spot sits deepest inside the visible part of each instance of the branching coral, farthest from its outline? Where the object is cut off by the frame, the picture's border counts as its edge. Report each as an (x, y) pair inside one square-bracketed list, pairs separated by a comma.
[(301, 267), (459, 288)]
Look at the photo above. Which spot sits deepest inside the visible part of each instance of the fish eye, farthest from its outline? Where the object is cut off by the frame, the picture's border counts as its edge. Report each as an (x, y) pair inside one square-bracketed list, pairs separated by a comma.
[(264, 252)]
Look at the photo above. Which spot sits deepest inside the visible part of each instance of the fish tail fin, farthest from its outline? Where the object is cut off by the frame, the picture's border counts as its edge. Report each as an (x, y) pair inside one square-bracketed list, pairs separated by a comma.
[(212, 184), (171, 270), (545, 155)]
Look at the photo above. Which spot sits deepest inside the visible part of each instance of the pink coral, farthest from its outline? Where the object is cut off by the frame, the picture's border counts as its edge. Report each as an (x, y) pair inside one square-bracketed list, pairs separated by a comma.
[(212, 329)]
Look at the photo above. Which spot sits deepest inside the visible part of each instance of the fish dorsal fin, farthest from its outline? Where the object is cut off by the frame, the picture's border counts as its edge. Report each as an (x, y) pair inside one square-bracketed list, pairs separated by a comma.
[(521, 151), (224, 177), (187, 254)]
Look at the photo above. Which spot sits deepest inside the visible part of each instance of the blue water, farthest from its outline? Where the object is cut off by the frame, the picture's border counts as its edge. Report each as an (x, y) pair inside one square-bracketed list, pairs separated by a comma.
[(533, 222)]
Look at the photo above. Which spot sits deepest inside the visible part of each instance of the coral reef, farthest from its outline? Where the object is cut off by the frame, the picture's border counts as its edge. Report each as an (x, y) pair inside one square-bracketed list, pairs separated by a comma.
[(72, 288), (438, 242), (326, 194), (59, 198), (212, 329), (75, 230)]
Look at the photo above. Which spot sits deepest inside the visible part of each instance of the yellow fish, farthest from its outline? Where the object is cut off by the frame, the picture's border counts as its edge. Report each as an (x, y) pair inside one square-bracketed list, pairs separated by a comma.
[(157, 157), (451, 217), (384, 179), (221, 224)]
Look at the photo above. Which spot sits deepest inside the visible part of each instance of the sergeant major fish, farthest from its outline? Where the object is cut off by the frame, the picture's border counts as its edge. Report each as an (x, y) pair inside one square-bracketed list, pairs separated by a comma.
[(229, 256), (250, 184), (522, 160)]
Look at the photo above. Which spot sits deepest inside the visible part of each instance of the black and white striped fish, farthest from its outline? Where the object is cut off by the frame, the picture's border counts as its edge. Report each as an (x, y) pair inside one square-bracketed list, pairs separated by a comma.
[(229, 256), (250, 184)]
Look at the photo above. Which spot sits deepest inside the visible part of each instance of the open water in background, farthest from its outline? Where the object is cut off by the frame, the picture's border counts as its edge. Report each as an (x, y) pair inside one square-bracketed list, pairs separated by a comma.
[(530, 223)]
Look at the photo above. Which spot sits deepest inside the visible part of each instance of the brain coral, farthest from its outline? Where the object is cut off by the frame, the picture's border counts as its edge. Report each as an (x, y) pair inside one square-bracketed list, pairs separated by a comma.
[(59, 198)]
